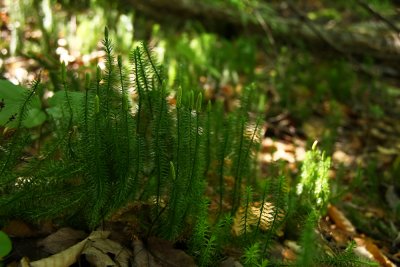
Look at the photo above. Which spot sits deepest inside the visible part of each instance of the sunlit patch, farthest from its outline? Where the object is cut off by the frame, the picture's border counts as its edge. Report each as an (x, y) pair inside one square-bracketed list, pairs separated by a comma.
[(20, 181), (62, 42), (48, 94), (252, 131), (341, 157), (278, 150), (257, 215), (160, 52), (65, 56), (19, 75), (101, 65)]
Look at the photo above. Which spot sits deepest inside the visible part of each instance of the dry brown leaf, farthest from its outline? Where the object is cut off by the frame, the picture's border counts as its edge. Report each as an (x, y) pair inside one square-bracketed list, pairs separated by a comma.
[(342, 157), (289, 254), (62, 259), (97, 258), (340, 220), (24, 262), (340, 236), (330, 230), (70, 255), (277, 150), (362, 252), (290, 250), (97, 252), (230, 262), (142, 256), (375, 251), (61, 240), (18, 228), (292, 245), (170, 256)]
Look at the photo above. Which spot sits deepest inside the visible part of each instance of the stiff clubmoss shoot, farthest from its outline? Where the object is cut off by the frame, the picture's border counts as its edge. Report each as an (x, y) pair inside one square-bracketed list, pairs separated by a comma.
[(191, 172)]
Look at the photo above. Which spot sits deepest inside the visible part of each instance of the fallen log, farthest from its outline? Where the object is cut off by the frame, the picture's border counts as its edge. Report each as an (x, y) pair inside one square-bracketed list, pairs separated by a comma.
[(372, 39)]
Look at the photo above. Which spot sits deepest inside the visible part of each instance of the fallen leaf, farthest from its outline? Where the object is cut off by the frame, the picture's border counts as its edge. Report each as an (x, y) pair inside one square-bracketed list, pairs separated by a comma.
[(230, 262), (69, 256), (61, 240), (97, 258), (289, 254), (142, 256), (165, 251), (330, 231), (340, 220), (24, 262), (292, 245), (362, 252), (98, 253), (290, 250), (340, 236), (342, 157), (18, 228), (366, 244)]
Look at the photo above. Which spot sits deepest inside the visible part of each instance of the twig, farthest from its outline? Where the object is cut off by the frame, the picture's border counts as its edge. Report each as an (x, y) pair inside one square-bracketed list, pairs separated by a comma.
[(318, 33), (389, 23), (313, 28), (265, 27)]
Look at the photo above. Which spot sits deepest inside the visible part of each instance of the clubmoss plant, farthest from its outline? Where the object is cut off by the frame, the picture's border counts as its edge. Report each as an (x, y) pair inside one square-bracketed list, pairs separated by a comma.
[(121, 141), (314, 181)]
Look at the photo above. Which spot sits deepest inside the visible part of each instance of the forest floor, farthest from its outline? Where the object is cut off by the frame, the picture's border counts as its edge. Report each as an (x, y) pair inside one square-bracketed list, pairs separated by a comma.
[(362, 210), (365, 204)]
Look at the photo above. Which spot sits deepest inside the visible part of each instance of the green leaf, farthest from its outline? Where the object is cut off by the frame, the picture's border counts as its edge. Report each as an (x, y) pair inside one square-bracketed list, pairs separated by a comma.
[(58, 100), (5, 245), (35, 117), (12, 96)]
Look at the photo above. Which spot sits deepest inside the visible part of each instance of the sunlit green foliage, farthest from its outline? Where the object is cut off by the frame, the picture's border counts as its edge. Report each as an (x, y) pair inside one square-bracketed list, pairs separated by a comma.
[(314, 181)]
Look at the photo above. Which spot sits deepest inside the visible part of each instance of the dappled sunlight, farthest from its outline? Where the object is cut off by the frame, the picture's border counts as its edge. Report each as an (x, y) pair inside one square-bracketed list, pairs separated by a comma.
[(186, 129), (274, 150)]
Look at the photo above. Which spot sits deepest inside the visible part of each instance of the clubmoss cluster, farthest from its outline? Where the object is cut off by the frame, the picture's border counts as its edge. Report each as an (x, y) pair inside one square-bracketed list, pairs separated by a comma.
[(123, 140)]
